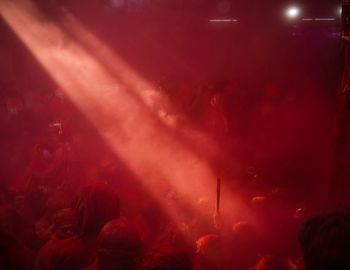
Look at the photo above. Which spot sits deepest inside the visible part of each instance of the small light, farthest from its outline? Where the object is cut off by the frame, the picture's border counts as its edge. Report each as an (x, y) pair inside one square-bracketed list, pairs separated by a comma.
[(324, 19), (222, 20), (292, 12)]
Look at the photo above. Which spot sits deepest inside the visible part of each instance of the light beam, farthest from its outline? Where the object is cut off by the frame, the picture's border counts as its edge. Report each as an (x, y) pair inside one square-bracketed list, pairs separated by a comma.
[(119, 107)]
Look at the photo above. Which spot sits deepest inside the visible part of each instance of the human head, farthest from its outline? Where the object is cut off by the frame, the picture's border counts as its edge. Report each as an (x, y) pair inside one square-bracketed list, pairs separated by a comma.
[(269, 262), (64, 223), (97, 203), (325, 241), (119, 246), (208, 245), (166, 258)]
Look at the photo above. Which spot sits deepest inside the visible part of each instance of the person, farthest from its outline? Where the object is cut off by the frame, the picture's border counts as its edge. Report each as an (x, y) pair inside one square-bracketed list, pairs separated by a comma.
[(209, 252), (269, 262), (96, 204), (14, 255), (243, 245), (119, 247), (166, 257), (64, 223), (325, 241)]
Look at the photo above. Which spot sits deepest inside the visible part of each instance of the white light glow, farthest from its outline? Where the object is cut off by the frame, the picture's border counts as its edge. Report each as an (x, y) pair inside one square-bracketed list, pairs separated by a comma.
[(292, 12)]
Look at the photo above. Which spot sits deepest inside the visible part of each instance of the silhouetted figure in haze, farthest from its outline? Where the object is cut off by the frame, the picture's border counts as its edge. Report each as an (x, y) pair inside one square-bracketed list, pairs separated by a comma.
[(269, 262), (166, 258), (13, 254), (64, 223), (325, 241), (209, 253), (119, 247), (96, 204)]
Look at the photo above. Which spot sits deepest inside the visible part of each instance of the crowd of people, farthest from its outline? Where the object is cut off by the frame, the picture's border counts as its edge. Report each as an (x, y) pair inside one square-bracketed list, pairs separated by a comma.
[(62, 213)]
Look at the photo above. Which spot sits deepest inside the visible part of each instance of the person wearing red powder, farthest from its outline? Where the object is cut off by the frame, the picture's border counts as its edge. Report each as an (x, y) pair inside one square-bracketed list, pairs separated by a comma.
[(118, 248), (96, 204)]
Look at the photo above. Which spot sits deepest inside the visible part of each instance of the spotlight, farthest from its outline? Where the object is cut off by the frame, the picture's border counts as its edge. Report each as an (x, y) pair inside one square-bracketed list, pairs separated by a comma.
[(292, 12)]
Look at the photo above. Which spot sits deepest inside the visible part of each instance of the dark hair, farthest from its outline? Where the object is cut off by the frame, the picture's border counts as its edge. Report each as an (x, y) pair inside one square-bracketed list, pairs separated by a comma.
[(97, 203), (325, 241), (269, 262), (13, 254), (119, 246), (167, 258)]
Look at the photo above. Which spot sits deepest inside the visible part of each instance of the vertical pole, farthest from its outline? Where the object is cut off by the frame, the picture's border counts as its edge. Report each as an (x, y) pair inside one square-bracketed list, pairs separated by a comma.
[(339, 173), (218, 191)]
